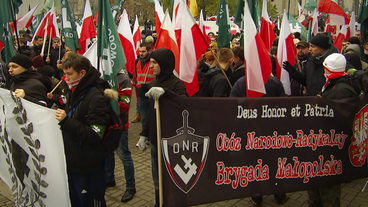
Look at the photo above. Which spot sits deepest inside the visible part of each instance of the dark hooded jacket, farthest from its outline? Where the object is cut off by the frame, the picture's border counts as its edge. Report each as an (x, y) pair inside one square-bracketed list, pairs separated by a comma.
[(345, 86), (313, 75), (172, 85), (212, 82), (273, 86), (30, 82), (239, 71), (87, 109)]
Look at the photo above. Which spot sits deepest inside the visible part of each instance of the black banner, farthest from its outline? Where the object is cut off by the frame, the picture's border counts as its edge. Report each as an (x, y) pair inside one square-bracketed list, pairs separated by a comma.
[(222, 148)]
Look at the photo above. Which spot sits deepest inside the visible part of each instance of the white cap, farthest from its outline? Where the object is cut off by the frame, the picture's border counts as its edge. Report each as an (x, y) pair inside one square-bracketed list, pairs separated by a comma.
[(335, 63)]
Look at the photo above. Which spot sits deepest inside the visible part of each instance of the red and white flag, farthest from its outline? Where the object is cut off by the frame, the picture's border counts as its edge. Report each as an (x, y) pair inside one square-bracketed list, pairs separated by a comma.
[(166, 39), (51, 27), (341, 36), (301, 16), (190, 52), (24, 21), (202, 26), (257, 60), (176, 21), (314, 20), (126, 39), (337, 14), (286, 51), (159, 14), (136, 35), (351, 28), (266, 30), (88, 28)]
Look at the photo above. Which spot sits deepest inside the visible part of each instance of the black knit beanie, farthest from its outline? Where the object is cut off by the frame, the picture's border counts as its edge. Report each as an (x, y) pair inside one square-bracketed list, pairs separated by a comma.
[(321, 41), (21, 60)]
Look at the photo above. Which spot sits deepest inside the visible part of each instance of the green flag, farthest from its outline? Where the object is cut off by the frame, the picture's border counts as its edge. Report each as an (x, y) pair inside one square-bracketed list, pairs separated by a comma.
[(310, 5), (253, 12), (6, 36), (223, 23), (298, 26), (116, 7), (109, 48), (48, 4), (239, 14), (68, 27), (363, 20), (16, 4), (36, 21)]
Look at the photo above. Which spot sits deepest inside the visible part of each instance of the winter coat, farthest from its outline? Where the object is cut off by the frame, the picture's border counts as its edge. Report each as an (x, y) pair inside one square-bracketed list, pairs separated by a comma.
[(125, 94), (354, 48), (313, 75), (239, 71), (172, 85), (83, 128), (345, 86), (30, 82), (212, 83), (26, 50), (273, 86)]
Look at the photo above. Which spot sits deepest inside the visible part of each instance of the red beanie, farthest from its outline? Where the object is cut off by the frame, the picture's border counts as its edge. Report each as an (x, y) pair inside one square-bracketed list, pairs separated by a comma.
[(37, 61)]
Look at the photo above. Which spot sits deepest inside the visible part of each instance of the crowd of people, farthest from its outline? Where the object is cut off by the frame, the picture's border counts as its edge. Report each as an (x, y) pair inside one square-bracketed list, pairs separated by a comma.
[(66, 81)]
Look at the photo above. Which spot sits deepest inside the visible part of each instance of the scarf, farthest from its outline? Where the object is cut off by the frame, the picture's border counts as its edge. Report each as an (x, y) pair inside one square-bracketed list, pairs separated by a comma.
[(333, 76)]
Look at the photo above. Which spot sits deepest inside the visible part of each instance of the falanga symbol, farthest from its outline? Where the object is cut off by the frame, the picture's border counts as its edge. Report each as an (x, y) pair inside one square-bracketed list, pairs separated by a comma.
[(185, 155)]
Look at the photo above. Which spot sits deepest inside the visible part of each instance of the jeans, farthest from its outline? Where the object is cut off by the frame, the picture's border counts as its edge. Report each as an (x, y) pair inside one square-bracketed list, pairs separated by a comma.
[(87, 189), (143, 105), (154, 163), (126, 157)]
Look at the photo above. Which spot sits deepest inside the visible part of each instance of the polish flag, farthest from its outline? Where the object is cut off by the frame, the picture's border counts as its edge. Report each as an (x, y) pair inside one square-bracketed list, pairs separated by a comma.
[(159, 14), (337, 15), (51, 27), (136, 35), (314, 20), (286, 51), (190, 52), (257, 61), (88, 28), (266, 30), (341, 36), (24, 21), (179, 7), (126, 39), (175, 13), (351, 28), (166, 39), (202, 26)]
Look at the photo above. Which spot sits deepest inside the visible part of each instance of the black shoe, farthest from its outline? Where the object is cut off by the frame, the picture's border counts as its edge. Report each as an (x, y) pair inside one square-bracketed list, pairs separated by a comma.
[(128, 195), (110, 184)]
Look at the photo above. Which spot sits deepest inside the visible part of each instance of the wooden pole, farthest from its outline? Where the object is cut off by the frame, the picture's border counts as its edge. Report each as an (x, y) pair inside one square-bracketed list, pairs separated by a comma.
[(157, 107)]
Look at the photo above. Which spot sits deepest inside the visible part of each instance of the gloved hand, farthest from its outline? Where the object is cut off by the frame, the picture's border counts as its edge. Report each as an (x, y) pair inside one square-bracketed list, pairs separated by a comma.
[(155, 93), (142, 143), (288, 67)]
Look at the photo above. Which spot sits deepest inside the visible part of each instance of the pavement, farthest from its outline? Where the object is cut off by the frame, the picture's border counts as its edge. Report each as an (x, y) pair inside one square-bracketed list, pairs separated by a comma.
[(351, 194)]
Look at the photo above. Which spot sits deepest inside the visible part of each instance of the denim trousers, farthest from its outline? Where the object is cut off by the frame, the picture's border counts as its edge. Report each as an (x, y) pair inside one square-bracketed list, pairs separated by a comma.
[(126, 157), (143, 105)]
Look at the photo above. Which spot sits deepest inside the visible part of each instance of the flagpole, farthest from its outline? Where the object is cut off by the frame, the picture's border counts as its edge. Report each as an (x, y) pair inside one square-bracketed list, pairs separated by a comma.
[(288, 10), (159, 152), (50, 40), (15, 24), (44, 38)]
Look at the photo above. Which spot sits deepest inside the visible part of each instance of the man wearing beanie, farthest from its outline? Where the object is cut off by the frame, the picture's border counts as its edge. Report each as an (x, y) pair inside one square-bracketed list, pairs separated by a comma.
[(26, 83), (162, 62), (339, 85), (313, 77)]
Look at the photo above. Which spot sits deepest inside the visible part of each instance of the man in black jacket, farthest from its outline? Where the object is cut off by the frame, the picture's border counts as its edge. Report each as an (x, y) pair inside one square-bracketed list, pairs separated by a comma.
[(83, 122), (339, 85), (162, 62), (26, 83), (313, 76)]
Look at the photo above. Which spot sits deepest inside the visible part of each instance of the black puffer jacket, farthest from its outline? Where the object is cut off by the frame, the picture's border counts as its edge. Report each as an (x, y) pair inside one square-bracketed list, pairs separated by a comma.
[(273, 86), (30, 82), (82, 143), (313, 77), (345, 86)]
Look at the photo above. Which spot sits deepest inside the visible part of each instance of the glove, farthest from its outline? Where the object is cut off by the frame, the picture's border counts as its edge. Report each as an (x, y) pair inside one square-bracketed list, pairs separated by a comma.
[(155, 93), (142, 143), (288, 67)]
